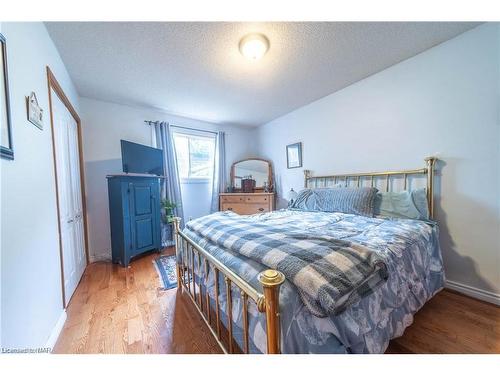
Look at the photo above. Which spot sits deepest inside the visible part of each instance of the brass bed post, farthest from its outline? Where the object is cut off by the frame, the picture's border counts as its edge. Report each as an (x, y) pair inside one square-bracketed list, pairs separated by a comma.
[(271, 281), (193, 277), (200, 299), (307, 174), (177, 221), (217, 304), (244, 298), (207, 296), (229, 311), (431, 161)]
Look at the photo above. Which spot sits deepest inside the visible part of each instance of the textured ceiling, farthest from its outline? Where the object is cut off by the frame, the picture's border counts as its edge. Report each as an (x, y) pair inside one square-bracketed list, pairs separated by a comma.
[(194, 69)]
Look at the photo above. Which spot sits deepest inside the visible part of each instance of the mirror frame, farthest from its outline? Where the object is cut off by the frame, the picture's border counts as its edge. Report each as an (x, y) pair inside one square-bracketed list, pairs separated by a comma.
[(257, 189)]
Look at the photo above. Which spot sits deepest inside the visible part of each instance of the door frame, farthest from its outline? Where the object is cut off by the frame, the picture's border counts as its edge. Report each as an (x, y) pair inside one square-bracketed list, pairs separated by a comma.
[(53, 84)]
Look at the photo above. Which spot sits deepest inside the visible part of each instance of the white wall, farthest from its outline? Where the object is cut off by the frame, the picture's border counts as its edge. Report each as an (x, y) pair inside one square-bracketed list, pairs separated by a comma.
[(442, 102), (30, 265), (197, 197), (104, 124)]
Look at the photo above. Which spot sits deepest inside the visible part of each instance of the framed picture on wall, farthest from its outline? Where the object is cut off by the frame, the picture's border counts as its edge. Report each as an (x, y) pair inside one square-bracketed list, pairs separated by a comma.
[(294, 155), (35, 113), (6, 148)]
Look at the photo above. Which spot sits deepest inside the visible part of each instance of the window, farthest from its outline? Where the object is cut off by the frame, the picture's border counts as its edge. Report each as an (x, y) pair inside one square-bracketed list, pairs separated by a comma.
[(195, 156)]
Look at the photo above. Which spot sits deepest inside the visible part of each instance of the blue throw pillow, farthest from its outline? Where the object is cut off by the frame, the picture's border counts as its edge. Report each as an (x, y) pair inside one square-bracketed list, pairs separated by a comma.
[(358, 201), (403, 204)]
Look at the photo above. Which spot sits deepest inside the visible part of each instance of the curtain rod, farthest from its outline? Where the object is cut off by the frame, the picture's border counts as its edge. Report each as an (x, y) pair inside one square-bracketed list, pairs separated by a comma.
[(182, 127)]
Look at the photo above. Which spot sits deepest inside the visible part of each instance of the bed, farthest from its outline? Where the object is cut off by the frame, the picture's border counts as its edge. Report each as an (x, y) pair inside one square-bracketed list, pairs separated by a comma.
[(250, 277)]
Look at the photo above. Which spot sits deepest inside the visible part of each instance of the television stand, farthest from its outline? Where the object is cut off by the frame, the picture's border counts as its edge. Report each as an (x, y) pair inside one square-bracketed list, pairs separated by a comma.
[(134, 212)]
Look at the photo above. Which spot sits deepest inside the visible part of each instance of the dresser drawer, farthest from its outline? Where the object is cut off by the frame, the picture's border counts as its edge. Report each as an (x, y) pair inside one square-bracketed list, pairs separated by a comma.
[(262, 199), (247, 204), (245, 208), (232, 198)]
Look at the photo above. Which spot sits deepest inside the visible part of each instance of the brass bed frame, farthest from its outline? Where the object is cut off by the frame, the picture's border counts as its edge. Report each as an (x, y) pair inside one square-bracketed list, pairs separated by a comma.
[(191, 256)]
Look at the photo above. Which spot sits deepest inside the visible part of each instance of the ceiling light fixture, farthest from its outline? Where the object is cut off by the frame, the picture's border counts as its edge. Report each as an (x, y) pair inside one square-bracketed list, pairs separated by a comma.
[(254, 46)]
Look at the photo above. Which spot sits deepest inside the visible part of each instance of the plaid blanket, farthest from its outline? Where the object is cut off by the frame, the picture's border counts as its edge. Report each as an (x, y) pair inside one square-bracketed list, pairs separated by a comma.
[(330, 274)]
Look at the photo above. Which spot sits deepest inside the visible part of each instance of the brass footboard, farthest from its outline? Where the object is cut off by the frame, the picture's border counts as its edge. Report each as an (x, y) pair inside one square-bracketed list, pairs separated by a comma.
[(191, 257)]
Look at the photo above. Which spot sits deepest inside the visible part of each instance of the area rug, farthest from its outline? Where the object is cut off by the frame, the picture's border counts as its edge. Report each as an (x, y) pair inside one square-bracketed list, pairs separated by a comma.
[(165, 266)]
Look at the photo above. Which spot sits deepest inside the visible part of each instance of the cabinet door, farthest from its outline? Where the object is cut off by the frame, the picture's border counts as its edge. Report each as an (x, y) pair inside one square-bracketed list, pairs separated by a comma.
[(143, 216)]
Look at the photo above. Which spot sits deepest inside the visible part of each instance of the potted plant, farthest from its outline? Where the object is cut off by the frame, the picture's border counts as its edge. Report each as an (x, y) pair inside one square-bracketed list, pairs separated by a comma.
[(168, 219)]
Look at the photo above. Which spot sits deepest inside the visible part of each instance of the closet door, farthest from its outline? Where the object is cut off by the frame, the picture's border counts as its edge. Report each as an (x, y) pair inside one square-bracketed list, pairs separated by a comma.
[(69, 196), (76, 195)]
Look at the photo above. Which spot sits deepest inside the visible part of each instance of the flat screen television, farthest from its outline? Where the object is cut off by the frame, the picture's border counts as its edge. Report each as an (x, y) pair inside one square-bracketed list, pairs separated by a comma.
[(137, 158)]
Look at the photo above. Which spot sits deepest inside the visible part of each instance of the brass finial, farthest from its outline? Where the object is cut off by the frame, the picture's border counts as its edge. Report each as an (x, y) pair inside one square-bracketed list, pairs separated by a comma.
[(177, 223), (271, 281), (271, 278)]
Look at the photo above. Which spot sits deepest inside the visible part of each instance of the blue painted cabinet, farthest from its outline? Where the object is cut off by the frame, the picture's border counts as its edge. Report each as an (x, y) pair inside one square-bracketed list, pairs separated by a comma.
[(134, 210)]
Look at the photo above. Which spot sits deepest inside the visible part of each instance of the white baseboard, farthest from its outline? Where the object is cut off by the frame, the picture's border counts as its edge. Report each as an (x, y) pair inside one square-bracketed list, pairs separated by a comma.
[(470, 291), (56, 331), (99, 258)]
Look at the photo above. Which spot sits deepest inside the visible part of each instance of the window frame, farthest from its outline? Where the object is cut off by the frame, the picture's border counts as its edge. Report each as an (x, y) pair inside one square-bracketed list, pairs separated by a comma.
[(194, 134)]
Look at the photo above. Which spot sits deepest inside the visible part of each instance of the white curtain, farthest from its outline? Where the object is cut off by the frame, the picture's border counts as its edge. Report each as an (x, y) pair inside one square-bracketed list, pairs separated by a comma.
[(219, 178), (171, 187)]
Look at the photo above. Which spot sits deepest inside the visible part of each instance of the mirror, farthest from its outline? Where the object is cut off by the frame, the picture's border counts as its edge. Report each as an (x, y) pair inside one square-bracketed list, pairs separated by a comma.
[(251, 176)]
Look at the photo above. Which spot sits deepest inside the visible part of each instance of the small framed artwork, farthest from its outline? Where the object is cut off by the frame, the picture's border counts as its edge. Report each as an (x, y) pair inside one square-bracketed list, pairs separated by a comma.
[(294, 155), (35, 113), (6, 148)]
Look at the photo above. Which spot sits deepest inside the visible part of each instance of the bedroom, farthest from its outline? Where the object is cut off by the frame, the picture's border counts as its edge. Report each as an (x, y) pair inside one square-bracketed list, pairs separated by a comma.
[(261, 187)]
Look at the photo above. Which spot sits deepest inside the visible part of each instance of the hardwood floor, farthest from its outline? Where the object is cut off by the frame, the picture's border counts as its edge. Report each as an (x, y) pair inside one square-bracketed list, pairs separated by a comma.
[(121, 310), (452, 323)]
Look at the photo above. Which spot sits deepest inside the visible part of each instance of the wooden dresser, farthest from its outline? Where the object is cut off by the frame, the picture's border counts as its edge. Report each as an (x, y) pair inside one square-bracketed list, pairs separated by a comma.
[(246, 203)]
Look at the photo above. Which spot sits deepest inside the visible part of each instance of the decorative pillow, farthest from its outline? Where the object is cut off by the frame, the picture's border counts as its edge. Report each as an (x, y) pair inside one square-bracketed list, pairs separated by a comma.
[(403, 204), (358, 201)]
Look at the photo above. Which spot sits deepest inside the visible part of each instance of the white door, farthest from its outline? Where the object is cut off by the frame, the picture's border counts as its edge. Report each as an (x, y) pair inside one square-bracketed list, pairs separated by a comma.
[(70, 195)]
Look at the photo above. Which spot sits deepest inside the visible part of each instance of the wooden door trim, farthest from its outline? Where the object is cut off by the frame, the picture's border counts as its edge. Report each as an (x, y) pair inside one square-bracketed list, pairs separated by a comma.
[(53, 84)]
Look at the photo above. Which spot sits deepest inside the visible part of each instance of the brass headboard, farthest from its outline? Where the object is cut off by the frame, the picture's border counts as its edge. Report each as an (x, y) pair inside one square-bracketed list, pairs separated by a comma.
[(359, 177)]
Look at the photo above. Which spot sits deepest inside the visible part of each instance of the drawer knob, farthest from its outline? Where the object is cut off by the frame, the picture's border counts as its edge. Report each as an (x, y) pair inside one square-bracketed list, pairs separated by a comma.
[(261, 209), (229, 208)]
